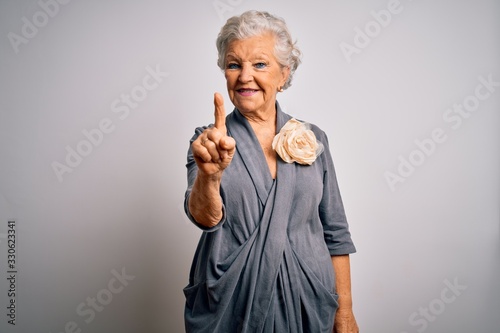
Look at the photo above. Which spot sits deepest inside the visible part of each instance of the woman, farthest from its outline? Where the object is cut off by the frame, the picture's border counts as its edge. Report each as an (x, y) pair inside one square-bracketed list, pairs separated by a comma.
[(274, 254)]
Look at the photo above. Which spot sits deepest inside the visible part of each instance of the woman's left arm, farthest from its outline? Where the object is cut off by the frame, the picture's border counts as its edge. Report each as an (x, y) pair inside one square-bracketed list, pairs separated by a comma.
[(344, 318)]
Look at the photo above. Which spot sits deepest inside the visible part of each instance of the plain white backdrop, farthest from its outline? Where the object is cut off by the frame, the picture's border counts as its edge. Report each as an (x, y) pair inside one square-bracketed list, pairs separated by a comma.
[(98, 101)]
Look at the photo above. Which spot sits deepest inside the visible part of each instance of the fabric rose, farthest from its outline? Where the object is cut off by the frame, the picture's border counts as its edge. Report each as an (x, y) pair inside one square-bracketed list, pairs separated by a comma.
[(297, 143)]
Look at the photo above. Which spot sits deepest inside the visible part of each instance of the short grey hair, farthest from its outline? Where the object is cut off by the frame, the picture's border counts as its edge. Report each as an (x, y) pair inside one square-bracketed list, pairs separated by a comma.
[(254, 23)]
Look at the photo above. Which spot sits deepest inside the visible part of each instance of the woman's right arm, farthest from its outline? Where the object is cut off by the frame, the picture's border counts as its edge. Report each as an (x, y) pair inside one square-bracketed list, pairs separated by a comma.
[(205, 203), (213, 151)]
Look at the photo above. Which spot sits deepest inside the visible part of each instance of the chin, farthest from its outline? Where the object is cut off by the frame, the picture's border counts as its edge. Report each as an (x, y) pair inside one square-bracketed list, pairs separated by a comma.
[(245, 107)]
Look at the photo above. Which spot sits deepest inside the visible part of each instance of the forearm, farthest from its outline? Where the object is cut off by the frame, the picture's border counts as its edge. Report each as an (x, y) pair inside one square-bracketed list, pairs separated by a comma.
[(205, 203), (341, 265)]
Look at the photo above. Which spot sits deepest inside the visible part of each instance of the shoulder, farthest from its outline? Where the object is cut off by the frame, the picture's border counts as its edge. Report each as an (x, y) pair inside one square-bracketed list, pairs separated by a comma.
[(318, 132)]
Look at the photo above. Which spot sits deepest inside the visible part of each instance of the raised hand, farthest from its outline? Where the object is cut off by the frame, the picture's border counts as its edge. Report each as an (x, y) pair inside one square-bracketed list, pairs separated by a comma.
[(213, 150)]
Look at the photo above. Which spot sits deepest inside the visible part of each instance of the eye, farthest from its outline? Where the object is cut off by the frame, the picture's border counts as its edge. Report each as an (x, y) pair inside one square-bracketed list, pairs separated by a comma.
[(260, 65), (233, 66)]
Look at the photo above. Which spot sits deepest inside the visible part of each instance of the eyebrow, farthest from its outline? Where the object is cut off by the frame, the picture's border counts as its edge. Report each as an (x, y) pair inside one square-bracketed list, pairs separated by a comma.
[(232, 55), (259, 57)]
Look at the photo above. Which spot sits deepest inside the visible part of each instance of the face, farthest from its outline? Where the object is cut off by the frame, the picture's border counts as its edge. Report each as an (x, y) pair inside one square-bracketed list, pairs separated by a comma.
[(254, 75)]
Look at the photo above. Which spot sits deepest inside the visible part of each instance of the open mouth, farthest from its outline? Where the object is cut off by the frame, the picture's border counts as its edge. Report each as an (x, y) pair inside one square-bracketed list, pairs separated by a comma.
[(246, 91)]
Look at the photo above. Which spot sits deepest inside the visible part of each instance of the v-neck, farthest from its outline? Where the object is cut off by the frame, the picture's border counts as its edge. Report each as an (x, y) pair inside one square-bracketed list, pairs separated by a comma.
[(251, 152)]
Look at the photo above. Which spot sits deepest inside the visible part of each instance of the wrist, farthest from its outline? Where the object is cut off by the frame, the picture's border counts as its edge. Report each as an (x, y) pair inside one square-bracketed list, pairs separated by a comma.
[(209, 178), (345, 301)]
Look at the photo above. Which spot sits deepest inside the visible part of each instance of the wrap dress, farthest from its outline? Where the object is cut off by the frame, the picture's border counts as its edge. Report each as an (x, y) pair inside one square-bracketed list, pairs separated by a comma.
[(266, 267)]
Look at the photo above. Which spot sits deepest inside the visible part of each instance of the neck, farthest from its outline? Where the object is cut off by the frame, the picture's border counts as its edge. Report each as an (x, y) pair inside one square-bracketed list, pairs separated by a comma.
[(262, 118)]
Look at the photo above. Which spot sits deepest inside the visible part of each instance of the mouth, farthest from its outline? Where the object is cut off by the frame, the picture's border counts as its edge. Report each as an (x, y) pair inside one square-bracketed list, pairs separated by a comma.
[(246, 91)]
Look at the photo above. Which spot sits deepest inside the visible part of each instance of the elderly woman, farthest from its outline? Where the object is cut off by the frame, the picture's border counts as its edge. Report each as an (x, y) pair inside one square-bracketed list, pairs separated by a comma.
[(274, 252)]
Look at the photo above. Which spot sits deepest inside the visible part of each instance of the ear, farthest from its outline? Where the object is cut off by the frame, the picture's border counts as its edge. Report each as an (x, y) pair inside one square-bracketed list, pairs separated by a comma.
[(285, 73)]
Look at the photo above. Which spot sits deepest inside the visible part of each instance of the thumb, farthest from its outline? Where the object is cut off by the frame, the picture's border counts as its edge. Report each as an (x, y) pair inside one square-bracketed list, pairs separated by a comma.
[(227, 143), (220, 112)]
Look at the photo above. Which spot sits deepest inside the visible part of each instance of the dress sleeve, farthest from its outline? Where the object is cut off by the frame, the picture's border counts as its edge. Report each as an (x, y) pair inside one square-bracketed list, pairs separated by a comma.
[(192, 170), (331, 209)]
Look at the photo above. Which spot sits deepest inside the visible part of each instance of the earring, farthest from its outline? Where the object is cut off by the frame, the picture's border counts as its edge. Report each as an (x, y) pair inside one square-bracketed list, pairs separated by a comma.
[(280, 89)]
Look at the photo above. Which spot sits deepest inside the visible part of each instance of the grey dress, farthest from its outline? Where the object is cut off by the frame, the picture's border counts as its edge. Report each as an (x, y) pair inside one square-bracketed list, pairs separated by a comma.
[(266, 267)]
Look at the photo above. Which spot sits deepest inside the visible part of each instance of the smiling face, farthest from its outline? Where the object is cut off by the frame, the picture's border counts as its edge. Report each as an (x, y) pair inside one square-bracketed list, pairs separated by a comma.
[(254, 75)]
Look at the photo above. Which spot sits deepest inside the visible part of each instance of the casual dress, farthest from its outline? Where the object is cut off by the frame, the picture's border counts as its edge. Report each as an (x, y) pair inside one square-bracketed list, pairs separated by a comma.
[(266, 267)]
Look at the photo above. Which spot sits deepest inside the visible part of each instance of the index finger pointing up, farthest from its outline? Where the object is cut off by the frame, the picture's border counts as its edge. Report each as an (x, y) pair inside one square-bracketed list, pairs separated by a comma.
[(220, 112)]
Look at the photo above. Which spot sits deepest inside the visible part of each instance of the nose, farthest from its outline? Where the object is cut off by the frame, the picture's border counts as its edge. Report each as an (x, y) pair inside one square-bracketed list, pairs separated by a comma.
[(246, 74)]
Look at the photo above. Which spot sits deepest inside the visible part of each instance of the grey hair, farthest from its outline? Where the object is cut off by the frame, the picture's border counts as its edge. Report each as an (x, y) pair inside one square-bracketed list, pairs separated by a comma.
[(254, 23)]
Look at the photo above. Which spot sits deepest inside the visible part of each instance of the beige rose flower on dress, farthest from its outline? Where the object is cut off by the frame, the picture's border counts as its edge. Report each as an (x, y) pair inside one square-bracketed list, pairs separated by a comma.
[(297, 143)]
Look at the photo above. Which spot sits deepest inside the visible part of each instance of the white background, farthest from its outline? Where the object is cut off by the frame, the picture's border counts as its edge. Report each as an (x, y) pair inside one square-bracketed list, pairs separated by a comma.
[(120, 207)]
